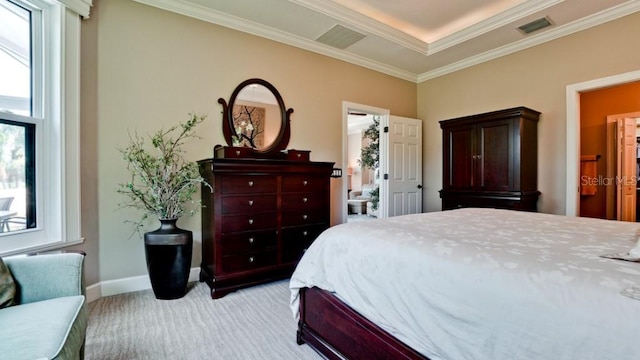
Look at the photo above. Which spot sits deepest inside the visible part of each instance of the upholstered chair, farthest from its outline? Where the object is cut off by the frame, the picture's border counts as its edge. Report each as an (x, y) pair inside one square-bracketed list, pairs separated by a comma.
[(49, 317)]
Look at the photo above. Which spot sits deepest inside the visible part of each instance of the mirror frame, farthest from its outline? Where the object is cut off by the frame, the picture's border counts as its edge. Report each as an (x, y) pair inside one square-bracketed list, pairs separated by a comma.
[(228, 130)]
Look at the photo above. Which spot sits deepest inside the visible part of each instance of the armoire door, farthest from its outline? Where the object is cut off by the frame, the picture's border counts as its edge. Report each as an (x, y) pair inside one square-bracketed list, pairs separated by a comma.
[(495, 155), (460, 156)]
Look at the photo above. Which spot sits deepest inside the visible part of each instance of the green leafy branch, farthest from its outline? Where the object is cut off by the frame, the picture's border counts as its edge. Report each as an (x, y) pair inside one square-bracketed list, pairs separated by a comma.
[(369, 154), (162, 181)]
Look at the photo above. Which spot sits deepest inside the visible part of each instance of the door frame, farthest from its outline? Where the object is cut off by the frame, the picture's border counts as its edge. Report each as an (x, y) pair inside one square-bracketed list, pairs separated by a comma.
[(346, 108), (572, 202)]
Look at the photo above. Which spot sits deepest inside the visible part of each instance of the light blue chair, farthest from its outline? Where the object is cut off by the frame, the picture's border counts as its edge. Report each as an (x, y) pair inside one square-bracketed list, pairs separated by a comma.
[(50, 318)]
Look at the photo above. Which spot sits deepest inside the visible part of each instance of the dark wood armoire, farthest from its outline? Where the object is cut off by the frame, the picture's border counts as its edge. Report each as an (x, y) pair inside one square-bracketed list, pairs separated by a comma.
[(491, 160)]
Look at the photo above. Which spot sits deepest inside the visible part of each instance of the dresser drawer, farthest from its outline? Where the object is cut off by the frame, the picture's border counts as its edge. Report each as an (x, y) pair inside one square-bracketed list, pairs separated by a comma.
[(297, 155), (249, 222), (297, 218), (303, 183), (303, 201), (249, 184), (296, 240), (249, 261), (248, 203), (250, 241), (234, 152)]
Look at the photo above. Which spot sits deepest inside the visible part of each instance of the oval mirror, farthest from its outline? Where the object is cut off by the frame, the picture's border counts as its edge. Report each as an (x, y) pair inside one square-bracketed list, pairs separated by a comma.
[(256, 118)]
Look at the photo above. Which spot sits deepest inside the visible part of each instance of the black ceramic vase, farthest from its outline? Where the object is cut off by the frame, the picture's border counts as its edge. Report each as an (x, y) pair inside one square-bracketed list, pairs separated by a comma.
[(168, 250)]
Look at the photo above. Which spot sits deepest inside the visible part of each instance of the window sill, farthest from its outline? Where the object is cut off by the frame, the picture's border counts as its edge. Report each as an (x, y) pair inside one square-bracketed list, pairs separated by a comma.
[(41, 248)]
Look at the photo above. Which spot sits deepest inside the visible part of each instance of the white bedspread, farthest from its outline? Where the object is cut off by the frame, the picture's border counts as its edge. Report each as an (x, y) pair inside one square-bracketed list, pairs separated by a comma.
[(485, 283)]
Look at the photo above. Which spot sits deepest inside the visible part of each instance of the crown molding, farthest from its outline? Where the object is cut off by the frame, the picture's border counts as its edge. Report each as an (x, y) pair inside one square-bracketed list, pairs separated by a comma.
[(233, 22), (552, 34), (506, 17), (187, 8), (81, 7)]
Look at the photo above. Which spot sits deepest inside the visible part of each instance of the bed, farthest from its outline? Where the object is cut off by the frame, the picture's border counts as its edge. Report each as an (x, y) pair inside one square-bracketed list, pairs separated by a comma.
[(470, 284)]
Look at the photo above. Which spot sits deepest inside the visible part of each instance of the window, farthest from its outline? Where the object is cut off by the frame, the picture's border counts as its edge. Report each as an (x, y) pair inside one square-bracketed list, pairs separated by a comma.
[(17, 175), (17, 134), (15, 58), (39, 124)]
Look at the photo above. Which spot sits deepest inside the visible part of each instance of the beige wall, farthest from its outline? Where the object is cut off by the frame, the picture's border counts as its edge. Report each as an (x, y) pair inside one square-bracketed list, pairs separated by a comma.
[(145, 68), (89, 151), (536, 78)]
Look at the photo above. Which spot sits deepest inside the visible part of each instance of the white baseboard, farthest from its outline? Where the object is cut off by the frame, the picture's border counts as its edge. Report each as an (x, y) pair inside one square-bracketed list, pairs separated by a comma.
[(125, 285)]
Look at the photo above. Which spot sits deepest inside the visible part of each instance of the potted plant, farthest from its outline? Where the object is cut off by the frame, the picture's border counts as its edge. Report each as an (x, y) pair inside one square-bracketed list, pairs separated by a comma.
[(370, 156), (162, 184)]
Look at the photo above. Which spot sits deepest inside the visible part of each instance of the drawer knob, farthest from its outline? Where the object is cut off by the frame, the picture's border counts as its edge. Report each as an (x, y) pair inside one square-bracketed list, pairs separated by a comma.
[(305, 233), (305, 216), (305, 182), (250, 221), (299, 155), (250, 183), (237, 152), (250, 202), (304, 200), (251, 259), (251, 240)]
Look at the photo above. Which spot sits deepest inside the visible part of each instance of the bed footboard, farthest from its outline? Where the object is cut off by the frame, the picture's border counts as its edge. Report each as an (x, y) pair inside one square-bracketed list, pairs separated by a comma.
[(338, 332)]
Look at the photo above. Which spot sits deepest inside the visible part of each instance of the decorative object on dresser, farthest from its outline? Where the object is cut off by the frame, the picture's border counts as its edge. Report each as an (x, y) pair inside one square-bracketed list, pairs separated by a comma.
[(267, 206), (491, 160), (162, 183)]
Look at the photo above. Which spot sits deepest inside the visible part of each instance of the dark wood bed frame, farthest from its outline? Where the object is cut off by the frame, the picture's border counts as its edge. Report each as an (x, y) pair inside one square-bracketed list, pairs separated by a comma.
[(338, 332)]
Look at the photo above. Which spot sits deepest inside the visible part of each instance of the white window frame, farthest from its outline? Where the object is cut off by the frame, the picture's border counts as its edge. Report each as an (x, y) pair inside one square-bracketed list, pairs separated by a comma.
[(56, 113)]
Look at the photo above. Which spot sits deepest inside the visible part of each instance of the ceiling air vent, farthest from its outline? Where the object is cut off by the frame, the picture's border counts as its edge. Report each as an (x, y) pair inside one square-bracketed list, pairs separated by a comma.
[(535, 25), (340, 37)]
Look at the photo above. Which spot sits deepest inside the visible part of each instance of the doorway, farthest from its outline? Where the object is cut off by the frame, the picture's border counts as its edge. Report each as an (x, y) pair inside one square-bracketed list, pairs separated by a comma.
[(360, 180), (573, 94), (398, 180), (602, 174)]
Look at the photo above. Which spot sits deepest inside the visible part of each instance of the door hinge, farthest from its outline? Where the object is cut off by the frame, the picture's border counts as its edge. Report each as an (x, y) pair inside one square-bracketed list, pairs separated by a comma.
[(386, 176), (386, 129)]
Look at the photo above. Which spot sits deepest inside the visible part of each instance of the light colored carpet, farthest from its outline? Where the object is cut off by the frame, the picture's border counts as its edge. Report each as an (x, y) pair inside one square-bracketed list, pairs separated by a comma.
[(253, 323), (359, 217)]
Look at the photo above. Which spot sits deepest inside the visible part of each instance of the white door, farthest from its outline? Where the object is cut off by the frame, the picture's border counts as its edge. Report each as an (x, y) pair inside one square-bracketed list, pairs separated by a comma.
[(402, 167), (626, 174)]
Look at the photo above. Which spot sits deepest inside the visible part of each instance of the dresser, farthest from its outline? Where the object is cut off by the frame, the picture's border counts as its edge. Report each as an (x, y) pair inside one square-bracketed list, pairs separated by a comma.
[(491, 160), (260, 218)]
